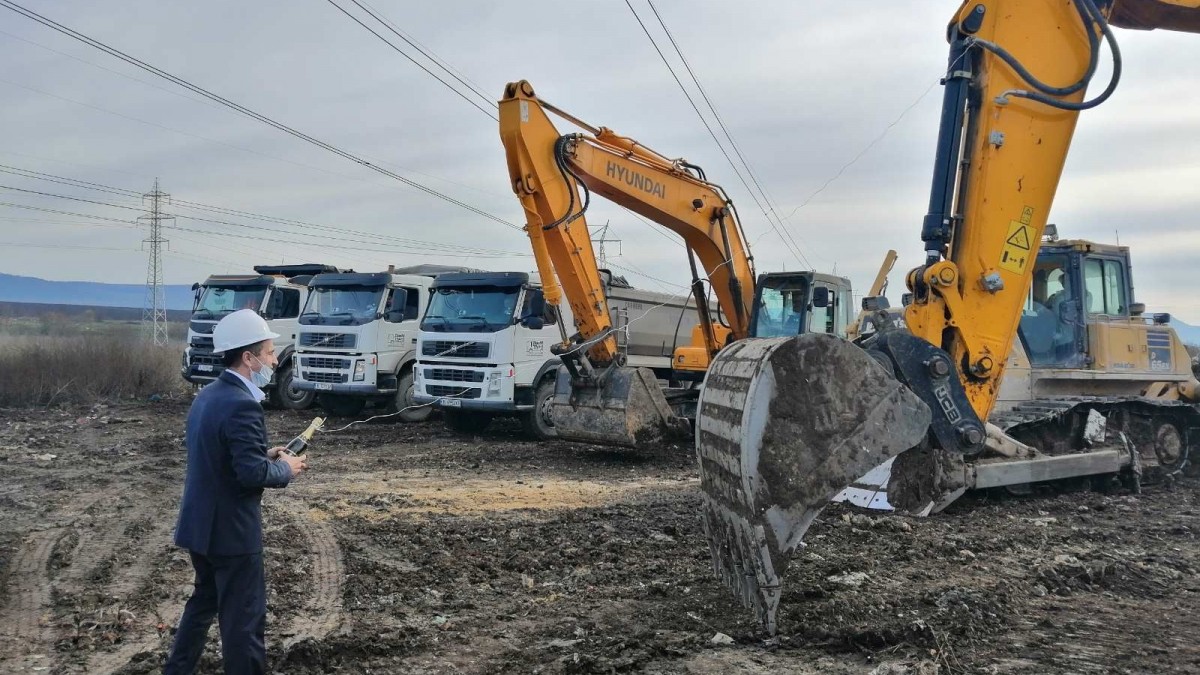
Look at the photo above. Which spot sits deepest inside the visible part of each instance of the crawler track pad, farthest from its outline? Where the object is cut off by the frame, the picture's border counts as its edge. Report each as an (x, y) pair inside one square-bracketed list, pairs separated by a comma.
[(783, 425), (625, 407)]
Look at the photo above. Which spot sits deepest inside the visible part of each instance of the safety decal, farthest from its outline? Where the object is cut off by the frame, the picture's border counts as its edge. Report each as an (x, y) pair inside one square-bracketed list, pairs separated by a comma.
[(1018, 245)]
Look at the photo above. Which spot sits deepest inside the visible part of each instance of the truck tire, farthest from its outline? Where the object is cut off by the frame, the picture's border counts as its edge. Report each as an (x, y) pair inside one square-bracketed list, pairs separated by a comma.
[(342, 406), (286, 395), (404, 399), (466, 421), (538, 423)]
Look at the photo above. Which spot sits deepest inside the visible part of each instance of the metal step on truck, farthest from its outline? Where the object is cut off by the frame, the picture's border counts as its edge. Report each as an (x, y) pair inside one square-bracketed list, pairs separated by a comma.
[(277, 292), (358, 339), (484, 345)]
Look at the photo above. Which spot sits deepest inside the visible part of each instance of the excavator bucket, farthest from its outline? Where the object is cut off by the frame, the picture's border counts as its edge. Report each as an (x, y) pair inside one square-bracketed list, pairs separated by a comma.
[(625, 406), (784, 424)]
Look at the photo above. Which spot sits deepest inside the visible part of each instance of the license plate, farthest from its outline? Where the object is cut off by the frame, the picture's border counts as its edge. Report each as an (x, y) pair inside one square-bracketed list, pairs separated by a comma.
[(204, 368), (324, 386), (451, 403)]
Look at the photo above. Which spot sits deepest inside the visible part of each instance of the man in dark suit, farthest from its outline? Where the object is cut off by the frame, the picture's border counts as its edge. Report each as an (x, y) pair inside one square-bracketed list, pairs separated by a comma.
[(220, 518)]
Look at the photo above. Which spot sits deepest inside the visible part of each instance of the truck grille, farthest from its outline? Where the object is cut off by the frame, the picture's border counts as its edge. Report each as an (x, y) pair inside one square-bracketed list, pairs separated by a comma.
[(202, 341), (453, 392), (203, 358), (460, 349), (453, 375), (335, 378), (333, 340), (320, 362)]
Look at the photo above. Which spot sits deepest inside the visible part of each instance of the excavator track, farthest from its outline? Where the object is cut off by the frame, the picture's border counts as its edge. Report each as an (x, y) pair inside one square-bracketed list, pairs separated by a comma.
[(783, 424), (1162, 430)]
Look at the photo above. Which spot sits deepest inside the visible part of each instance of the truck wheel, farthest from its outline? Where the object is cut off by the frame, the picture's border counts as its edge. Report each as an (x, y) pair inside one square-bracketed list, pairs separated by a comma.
[(467, 421), (287, 396), (342, 406), (539, 422), (404, 399)]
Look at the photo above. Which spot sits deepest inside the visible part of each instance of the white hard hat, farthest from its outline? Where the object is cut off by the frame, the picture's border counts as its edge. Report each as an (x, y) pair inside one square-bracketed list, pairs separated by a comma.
[(241, 328)]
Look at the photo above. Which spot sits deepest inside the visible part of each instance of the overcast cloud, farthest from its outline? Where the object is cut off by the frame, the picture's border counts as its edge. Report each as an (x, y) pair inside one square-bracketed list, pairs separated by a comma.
[(803, 86)]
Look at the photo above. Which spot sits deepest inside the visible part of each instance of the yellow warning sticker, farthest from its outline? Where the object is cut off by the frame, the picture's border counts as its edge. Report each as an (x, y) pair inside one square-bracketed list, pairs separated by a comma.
[(1014, 257)]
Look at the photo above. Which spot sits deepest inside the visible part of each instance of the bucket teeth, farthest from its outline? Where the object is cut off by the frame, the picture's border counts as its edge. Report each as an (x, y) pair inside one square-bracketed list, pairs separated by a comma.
[(741, 559)]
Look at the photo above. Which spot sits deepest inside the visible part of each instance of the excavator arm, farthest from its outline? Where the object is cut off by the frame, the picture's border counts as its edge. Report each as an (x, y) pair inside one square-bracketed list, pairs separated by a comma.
[(554, 176), (1017, 79)]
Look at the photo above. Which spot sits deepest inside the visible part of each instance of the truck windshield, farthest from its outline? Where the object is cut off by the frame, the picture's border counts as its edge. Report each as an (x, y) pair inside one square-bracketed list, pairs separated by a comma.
[(479, 309), (342, 305), (217, 301)]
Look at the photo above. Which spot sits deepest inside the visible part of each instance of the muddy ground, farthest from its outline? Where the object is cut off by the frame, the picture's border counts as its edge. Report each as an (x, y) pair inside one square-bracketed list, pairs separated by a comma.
[(408, 549)]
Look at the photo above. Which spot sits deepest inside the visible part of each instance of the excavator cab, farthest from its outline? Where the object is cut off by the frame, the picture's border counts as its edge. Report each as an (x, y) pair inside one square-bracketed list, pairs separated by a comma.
[(791, 303)]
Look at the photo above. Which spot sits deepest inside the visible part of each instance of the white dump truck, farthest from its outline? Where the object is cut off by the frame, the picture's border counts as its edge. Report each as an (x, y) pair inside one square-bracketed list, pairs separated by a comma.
[(358, 339), (485, 345), (277, 292)]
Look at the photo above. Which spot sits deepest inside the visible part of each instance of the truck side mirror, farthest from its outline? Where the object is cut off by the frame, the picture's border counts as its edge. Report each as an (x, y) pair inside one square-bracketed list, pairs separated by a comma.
[(820, 297), (275, 306), (395, 307), (537, 304), (534, 321)]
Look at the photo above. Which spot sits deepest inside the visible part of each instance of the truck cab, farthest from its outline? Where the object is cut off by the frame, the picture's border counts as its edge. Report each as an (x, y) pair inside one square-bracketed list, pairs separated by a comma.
[(358, 339), (485, 345), (276, 292)]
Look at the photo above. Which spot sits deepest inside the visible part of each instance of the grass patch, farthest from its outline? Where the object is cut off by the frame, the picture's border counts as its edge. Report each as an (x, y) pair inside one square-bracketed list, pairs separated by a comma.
[(57, 370)]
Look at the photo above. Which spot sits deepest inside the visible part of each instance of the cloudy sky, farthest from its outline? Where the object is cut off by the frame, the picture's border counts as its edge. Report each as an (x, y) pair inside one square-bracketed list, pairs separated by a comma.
[(804, 87)]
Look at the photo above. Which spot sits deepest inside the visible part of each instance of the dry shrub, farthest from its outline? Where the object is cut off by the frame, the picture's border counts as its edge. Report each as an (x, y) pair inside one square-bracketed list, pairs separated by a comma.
[(48, 371)]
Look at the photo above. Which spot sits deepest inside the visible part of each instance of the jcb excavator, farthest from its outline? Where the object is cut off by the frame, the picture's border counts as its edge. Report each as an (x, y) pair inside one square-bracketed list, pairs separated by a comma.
[(597, 398), (781, 432)]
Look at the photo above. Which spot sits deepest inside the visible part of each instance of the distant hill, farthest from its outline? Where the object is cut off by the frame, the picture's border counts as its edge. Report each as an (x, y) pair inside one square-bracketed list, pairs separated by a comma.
[(88, 293), (90, 313)]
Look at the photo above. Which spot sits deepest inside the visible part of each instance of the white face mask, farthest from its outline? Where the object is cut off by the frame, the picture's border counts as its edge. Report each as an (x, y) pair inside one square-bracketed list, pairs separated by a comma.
[(261, 377)]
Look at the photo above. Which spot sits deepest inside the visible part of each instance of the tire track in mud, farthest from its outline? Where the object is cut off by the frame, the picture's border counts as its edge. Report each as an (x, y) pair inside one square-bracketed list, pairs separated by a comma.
[(152, 548), (322, 614), (25, 626)]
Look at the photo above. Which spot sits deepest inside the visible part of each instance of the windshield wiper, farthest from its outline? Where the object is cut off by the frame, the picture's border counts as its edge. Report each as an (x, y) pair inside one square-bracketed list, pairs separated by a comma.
[(481, 319)]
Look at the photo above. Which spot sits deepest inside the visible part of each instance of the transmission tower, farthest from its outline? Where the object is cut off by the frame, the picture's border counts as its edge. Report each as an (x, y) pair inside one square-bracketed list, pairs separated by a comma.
[(601, 251), (154, 309)]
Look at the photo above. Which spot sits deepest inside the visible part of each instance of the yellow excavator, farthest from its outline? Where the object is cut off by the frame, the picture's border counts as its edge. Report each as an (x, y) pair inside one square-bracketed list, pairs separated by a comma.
[(597, 398), (784, 423), (1016, 82)]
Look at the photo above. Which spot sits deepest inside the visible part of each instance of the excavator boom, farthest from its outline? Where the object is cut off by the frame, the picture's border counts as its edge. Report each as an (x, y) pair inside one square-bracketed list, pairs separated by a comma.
[(554, 175)]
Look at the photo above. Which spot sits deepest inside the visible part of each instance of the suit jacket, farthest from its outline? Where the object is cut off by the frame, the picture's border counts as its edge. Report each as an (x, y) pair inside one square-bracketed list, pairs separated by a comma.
[(227, 469)]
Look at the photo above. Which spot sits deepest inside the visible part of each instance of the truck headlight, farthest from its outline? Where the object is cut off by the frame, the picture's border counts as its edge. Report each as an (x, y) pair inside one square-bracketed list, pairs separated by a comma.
[(360, 371), (494, 383)]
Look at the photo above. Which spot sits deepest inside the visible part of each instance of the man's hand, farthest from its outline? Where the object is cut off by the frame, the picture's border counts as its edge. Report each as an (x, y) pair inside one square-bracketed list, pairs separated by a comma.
[(274, 453), (297, 464)]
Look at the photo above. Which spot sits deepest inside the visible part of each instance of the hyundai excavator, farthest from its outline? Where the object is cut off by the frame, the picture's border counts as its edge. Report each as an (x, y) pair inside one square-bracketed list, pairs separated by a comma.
[(784, 423), (597, 398)]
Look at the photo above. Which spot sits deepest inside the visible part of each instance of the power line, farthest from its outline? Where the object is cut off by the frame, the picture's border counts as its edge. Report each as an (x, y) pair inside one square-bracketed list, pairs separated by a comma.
[(725, 129), (387, 24), (787, 244), (246, 111), (448, 248), (87, 185)]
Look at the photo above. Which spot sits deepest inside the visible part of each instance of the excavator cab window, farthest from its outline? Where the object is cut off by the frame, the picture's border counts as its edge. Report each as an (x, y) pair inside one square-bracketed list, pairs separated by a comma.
[(782, 307), (1051, 329), (1104, 282)]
